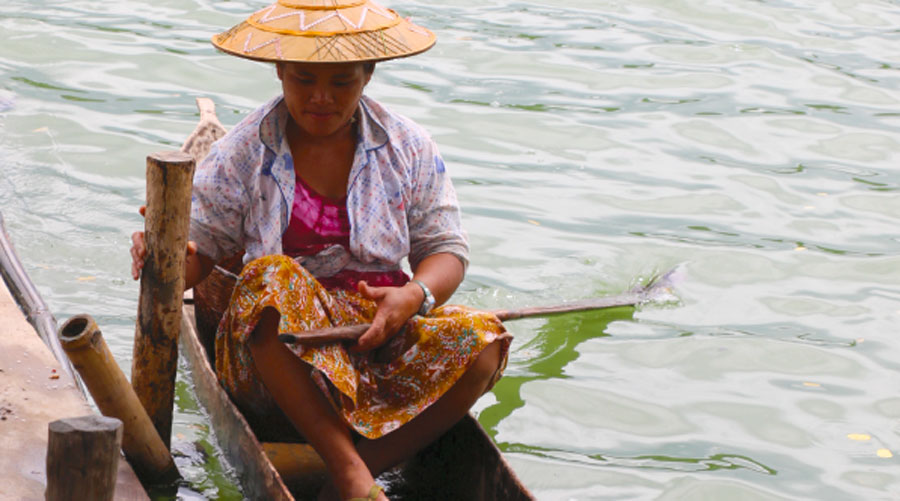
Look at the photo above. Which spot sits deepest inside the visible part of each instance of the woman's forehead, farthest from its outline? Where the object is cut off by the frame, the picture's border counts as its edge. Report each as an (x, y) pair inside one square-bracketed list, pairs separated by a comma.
[(323, 69)]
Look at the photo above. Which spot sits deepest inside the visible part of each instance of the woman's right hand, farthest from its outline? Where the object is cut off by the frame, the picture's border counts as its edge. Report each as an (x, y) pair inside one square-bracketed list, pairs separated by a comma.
[(138, 253), (139, 249)]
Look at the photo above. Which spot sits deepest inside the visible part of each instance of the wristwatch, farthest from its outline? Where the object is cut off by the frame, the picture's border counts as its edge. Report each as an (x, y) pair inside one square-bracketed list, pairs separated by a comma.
[(428, 302)]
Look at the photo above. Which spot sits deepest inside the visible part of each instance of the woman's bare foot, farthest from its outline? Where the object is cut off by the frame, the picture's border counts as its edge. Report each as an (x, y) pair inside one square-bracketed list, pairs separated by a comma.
[(330, 493)]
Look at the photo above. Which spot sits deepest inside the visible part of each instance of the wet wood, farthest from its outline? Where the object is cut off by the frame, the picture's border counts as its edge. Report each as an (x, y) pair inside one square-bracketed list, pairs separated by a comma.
[(169, 177), (83, 342), (83, 458)]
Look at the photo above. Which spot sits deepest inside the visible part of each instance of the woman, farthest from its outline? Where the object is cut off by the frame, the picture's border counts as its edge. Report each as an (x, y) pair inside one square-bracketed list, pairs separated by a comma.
[(325, 191)]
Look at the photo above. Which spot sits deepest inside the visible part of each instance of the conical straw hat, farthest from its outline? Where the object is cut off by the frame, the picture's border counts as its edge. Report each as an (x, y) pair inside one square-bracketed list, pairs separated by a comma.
[(324, 31)]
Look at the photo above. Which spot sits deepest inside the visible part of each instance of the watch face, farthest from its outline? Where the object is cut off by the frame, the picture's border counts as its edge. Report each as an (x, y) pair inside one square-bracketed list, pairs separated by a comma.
[(427, 301), (427, 304)]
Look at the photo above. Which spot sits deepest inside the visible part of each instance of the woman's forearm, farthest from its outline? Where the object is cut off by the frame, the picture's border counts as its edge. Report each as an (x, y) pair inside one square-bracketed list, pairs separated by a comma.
[(442, 273), (196, 268)]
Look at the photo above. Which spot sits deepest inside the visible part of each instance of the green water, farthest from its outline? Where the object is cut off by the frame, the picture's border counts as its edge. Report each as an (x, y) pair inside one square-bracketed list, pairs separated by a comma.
[(593, 144)]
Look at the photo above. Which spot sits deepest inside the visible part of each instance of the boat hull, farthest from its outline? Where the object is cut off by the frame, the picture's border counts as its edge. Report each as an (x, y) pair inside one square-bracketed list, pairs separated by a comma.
[(463, 464)]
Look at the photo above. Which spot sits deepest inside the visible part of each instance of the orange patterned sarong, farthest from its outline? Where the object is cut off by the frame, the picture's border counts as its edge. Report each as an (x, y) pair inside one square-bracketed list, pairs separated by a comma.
[(374, 392)]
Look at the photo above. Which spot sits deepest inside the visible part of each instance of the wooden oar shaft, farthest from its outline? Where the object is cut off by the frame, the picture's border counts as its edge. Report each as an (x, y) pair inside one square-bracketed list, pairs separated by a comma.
[(627, 299), (352, 332)]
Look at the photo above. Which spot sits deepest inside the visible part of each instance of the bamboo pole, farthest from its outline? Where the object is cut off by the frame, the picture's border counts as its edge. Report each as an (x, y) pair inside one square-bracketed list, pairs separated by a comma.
[(83, 343), (155, 360), (83, 458)]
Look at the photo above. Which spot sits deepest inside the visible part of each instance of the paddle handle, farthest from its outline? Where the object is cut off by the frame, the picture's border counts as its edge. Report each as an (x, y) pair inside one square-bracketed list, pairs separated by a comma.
[(634, 297), (327, 335)]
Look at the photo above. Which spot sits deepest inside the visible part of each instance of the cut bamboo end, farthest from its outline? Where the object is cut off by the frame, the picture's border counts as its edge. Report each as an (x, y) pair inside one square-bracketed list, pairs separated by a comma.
[(83, 343)]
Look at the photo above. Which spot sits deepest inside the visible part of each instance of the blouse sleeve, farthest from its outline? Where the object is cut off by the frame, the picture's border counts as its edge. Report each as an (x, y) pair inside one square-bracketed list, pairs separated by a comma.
[(218, 200), (434, 215)]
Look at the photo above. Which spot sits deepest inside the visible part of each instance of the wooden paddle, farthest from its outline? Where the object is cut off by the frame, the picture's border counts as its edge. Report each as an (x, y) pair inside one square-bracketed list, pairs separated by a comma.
[(657, 287)]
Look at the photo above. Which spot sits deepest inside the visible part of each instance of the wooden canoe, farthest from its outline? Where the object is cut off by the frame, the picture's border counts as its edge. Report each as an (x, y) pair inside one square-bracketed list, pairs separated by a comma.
[(463, 464)]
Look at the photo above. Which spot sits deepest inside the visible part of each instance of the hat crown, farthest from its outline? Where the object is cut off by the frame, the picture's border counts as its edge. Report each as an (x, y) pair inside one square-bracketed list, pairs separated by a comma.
[(320, 4), (325, 18), (325, 31)]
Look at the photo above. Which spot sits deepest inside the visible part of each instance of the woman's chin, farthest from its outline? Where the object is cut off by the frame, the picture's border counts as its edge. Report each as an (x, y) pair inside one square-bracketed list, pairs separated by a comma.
[(320, 127)]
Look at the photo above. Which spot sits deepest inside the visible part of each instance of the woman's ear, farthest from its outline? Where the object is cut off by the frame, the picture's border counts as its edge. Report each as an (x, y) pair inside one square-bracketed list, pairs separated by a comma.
[(368, 70), (279, 70)]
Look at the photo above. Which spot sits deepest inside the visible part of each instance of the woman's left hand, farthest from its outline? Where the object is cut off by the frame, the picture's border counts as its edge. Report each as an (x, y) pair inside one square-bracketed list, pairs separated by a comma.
[(395, 306)]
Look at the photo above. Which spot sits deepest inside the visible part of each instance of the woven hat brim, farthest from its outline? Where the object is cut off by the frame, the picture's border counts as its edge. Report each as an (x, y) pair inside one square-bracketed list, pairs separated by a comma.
[(401, 39)]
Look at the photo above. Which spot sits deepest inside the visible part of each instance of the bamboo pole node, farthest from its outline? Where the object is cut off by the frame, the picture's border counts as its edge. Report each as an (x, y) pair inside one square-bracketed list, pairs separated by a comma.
[(155, 360)]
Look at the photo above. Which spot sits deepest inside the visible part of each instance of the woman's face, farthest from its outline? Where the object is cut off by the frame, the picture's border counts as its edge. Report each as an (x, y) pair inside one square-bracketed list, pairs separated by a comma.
[(322, 97)]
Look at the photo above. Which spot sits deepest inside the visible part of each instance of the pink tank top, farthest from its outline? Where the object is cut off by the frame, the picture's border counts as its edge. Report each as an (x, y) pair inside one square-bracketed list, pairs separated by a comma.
[(318, 222)]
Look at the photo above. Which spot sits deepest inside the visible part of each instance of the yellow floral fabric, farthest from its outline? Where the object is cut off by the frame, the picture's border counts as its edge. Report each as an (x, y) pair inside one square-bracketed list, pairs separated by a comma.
[(375, 392)]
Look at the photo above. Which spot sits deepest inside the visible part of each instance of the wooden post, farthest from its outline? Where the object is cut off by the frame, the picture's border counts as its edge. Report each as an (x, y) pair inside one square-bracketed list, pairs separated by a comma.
[(83, 343), (153, 368), (83, 458)]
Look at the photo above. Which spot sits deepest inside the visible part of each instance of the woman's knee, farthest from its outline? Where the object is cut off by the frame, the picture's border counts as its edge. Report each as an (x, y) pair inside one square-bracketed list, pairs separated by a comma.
[(267, 327), (488, 363)]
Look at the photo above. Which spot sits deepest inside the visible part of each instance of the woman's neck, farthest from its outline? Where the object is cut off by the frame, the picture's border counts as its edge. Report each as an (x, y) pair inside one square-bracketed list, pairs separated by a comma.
[(324, 163)]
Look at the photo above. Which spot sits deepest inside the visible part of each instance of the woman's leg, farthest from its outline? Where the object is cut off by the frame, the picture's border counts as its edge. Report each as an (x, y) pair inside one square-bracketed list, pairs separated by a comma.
[(387, 451), (288, 380)]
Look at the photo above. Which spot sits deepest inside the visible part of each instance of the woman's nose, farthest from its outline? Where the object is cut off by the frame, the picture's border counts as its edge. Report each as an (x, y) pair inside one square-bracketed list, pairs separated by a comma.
[(320, 95)]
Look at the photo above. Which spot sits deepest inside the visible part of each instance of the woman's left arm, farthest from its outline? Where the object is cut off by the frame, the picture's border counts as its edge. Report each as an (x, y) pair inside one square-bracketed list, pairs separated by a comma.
[(441, 273), (438, 250)]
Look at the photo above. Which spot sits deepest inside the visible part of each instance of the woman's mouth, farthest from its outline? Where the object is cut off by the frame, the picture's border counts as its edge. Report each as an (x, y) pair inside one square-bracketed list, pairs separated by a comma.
[(320, 115)]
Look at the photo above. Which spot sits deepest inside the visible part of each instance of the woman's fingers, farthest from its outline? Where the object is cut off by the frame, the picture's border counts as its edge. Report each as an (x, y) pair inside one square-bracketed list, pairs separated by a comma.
[(376, 294), (395, 306), (373, 337), (138, 253)]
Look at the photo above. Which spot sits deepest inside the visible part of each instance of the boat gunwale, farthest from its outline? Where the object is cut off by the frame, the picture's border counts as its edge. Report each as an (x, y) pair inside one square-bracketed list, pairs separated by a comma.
[(243, 450)]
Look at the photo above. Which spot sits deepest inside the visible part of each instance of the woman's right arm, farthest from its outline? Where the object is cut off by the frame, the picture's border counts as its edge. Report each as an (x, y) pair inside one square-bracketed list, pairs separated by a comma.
[(215, 217), (196, 266)]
